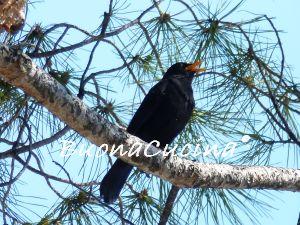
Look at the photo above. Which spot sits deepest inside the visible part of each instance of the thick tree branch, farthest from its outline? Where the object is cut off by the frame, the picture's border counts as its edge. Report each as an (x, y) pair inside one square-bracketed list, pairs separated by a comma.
[(19, 70)]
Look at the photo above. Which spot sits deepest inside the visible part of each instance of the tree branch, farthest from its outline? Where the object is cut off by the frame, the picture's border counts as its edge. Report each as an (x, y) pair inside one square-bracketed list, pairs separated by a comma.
[(164, 217), (19, 70)]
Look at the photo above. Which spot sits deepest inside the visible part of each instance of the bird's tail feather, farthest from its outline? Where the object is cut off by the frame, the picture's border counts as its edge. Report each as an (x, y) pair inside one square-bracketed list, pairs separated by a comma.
[(114, 181)]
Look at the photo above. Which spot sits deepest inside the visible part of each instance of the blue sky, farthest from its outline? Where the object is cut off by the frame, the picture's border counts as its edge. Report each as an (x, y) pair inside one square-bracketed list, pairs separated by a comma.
[(87, 15)]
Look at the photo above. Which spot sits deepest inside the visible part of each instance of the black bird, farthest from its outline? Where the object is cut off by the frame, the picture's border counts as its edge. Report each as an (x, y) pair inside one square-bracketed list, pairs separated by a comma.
[(162, 115)]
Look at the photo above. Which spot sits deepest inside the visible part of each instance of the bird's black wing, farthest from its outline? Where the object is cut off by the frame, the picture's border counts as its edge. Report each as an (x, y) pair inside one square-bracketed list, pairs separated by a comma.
[(148, 108)]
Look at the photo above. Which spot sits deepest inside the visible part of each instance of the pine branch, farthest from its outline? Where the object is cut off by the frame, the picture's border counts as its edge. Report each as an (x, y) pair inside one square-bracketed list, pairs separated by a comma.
[(164, 217), (19, 70)]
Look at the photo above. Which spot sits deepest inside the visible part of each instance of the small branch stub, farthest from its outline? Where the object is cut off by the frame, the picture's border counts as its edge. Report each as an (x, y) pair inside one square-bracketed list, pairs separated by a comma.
[(12, 15)]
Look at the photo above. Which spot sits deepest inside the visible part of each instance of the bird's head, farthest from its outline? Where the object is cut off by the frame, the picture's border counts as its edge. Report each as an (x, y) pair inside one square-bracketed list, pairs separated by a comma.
[(184, 70)]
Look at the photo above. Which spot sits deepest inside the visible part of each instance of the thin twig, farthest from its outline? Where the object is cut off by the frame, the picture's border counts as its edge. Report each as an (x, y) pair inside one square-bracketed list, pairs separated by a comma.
[(168, 205)]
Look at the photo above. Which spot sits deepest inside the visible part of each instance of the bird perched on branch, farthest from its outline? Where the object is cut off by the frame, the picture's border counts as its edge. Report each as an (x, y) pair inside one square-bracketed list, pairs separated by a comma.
[(162, 115)]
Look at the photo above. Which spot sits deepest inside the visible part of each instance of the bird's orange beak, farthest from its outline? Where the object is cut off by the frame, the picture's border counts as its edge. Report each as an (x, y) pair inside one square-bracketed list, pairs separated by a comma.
[(195, 67)]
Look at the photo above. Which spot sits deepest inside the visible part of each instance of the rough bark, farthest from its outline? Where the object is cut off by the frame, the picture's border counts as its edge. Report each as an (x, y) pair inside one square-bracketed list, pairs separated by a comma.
[(19, 70), (12, 14)]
